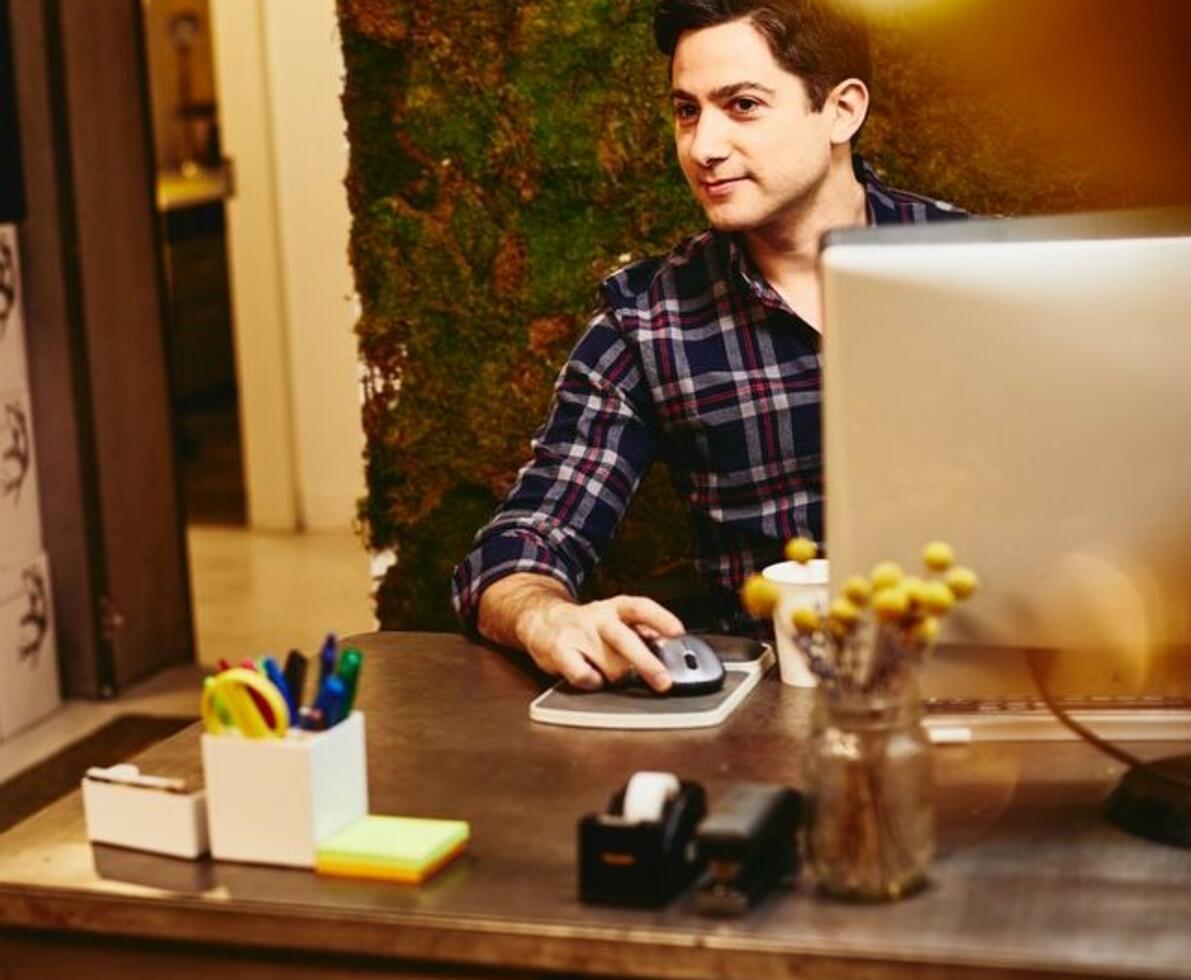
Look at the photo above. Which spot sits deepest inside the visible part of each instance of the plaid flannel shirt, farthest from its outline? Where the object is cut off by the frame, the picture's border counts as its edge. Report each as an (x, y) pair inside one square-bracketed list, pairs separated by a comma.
[(695, 359)]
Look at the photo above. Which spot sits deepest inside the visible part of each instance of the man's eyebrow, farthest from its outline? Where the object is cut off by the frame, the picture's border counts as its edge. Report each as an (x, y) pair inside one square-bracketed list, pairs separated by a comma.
[(724, 91)]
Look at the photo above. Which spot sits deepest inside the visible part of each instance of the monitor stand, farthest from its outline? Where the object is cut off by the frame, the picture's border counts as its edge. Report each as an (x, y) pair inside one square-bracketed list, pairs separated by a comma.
[(1154, 801)]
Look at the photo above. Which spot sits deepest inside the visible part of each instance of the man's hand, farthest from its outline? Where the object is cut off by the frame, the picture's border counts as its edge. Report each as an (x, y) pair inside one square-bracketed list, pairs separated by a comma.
[(585, 644)]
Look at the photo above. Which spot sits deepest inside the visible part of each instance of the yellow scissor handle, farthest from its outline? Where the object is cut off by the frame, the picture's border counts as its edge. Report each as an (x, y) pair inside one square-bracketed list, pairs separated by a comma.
[(231, 687)]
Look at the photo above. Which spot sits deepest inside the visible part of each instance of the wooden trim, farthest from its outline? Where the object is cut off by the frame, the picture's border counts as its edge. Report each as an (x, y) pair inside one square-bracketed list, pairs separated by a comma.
[(111, 502), (57, 347)]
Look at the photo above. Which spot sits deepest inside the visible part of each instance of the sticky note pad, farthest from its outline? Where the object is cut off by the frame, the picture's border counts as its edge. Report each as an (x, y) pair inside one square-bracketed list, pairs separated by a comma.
[(408, 849)]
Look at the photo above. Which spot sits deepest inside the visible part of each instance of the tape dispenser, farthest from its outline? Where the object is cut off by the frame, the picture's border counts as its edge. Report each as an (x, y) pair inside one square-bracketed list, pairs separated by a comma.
[(641, 851)]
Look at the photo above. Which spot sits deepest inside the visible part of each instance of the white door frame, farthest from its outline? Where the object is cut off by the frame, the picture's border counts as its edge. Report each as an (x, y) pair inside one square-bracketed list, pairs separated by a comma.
[(255, 267)]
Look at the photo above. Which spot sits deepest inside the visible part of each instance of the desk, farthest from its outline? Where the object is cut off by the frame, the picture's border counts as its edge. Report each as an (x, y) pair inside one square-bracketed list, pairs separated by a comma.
[(1029, 881)]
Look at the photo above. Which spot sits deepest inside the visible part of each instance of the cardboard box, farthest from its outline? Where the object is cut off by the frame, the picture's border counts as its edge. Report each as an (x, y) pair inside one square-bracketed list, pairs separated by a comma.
[(13, 368), (272, 800), (20, 512), (135, 813), (28, 652)]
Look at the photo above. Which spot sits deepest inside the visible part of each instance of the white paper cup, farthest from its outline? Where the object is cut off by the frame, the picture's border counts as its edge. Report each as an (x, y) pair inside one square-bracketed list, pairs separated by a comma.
[(800, 585)]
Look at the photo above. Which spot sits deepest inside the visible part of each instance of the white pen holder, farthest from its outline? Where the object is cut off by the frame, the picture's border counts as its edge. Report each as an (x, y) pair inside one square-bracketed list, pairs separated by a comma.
[(272, 800)]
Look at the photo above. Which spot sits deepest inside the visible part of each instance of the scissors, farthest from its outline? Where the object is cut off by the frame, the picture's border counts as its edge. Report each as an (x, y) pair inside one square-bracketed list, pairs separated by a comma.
[(227, 703)]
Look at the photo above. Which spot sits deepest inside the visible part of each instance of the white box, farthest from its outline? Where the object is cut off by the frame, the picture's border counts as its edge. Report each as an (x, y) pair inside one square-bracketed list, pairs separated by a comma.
[(13, 368), (28, 652), (271, 800), (20, 511), (145, 818)]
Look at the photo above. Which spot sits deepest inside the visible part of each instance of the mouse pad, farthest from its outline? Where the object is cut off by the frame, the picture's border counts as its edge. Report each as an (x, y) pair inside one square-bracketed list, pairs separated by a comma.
[(745, 661)]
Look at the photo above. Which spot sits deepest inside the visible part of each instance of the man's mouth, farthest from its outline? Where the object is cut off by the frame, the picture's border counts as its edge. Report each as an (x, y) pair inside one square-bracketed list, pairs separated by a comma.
[(721, 187)]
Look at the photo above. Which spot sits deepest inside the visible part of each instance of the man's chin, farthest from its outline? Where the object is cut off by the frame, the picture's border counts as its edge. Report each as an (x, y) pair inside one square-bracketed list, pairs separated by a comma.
[(729, 222)]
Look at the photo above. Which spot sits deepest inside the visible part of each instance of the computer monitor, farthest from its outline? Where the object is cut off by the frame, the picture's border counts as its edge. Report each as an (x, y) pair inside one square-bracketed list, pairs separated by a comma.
[(1021, 388)]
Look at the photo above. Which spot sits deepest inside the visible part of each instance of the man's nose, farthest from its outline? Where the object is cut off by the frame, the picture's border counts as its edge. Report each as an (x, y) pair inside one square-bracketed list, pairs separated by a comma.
[(709, 144)]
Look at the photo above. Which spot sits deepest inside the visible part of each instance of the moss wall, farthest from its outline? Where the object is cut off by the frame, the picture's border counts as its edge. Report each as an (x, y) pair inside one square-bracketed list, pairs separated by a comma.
[(506, 154)]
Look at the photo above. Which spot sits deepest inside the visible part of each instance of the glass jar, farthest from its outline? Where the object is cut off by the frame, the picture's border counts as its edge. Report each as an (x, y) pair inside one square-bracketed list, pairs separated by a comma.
[(870, 787)]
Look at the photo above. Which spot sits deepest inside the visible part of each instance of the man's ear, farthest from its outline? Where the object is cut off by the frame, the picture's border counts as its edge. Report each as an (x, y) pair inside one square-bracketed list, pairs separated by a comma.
[(849, 102)]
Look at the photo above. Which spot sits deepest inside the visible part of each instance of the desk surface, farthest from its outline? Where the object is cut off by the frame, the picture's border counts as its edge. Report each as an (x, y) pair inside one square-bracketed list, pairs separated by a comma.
[(1029, 880)]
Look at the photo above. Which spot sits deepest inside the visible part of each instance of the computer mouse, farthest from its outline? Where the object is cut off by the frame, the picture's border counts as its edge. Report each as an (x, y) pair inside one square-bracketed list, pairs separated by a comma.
[(693, 666)]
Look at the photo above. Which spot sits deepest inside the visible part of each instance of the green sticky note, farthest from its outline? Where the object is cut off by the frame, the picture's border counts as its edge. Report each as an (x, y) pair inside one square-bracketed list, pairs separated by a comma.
[(395, 848)]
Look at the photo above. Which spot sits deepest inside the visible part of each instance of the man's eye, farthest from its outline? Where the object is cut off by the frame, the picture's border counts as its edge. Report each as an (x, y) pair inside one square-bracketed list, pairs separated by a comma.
[(745, 104), (685, 112)]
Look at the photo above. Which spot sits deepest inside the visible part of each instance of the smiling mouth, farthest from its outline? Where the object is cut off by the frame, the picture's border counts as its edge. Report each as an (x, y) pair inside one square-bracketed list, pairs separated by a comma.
[(720, 188)]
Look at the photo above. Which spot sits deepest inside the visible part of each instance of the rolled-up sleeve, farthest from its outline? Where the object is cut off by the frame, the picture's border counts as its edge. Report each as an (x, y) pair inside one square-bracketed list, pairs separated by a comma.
[(587, 461)]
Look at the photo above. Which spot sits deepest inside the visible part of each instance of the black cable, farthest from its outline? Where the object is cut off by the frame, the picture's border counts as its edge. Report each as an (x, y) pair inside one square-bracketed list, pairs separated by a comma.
[(1089, 736)]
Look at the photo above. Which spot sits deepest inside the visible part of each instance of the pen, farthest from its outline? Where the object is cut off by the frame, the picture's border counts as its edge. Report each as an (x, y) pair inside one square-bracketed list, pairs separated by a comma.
[(295, 677), (330, 701), (326, 660), (273, 672), (348, 671)]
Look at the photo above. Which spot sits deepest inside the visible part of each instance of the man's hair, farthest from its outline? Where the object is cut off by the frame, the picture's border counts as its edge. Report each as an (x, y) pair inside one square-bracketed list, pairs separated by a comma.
[(821, 41)]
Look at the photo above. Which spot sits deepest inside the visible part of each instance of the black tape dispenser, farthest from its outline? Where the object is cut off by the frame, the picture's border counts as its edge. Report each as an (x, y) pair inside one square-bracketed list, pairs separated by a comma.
[(641, 851), (750, 844)]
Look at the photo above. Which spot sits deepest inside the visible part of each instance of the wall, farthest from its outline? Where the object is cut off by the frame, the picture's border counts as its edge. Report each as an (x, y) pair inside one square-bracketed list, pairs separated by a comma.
[(280, 72)]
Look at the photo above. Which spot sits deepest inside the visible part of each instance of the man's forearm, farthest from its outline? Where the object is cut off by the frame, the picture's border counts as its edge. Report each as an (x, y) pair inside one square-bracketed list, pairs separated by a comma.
[(509, 607)]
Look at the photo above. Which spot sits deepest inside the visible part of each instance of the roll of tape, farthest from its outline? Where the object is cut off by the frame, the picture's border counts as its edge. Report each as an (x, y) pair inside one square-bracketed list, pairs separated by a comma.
[(647, 794)]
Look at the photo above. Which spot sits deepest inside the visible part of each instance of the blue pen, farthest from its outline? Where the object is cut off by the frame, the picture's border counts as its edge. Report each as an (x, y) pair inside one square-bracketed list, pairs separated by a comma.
[(274, 673), (326, 661), (332, 698)]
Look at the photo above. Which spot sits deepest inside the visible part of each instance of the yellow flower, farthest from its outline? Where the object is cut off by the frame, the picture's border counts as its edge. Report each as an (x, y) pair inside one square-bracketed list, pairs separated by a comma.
[(938, 556), (758, 596), (890, 604), (926, 630), (915, 589), (801, 550), (859, 590), (805, 620), (937, 598), (962, 582), (886, 575), (844, 611)]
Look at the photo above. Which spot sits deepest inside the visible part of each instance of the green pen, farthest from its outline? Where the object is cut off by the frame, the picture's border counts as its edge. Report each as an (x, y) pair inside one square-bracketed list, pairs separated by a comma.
[(348, 671)]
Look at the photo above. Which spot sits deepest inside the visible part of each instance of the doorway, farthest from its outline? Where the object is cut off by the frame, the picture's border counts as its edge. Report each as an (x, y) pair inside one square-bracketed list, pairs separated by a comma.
[(193, 186)]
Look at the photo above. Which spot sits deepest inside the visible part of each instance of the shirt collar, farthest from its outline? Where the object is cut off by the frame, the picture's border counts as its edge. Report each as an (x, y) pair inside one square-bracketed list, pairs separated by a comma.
[(741, 264)]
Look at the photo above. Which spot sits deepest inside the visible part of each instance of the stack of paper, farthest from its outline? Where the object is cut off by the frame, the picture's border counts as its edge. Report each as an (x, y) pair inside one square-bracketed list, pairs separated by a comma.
[(406, 849)]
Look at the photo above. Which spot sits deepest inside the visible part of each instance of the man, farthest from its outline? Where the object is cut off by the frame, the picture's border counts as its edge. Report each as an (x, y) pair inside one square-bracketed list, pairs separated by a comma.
[(707, 357)]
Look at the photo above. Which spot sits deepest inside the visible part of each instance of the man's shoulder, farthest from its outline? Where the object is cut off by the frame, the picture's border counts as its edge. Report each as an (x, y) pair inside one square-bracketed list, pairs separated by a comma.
[(685, 270), (894, 205)]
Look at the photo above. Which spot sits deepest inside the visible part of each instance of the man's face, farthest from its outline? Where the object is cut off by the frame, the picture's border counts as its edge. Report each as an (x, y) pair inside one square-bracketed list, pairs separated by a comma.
[(752, 149)]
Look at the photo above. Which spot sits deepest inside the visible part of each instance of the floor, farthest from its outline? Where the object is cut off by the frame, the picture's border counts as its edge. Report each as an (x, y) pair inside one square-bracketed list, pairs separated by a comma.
[(253, 592)]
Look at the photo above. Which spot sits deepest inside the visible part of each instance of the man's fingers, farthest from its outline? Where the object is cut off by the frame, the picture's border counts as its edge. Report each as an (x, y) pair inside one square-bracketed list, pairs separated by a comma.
[(627, 643), (640, 611), (575, 670), (596, 642)]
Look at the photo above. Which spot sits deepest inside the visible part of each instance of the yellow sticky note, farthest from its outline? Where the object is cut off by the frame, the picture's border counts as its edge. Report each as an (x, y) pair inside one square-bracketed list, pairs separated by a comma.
[(407, 849)]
